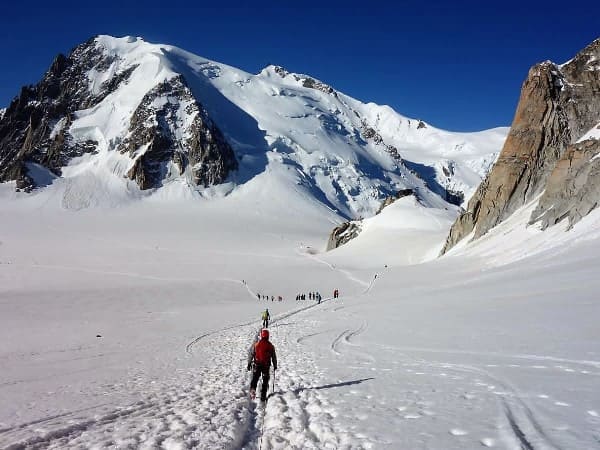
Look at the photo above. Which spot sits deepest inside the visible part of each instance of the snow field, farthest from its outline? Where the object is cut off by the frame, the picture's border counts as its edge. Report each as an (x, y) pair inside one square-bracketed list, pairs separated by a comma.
[(482, 348)]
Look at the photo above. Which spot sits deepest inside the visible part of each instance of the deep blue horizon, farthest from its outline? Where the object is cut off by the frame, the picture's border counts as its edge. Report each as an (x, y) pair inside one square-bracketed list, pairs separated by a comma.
[(457, 66)]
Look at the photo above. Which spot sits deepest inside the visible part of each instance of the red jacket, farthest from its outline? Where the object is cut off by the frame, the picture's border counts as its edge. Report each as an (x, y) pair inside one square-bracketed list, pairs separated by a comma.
[(262, 353)]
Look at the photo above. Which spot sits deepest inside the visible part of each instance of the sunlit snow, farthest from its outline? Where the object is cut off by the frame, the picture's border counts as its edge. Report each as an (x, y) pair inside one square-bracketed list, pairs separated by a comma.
[(125, 315)]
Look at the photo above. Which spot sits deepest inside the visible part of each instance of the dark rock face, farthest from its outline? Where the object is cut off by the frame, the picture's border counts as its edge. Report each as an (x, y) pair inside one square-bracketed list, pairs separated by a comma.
[(558, 105), (35, 127), (314, 84), (281, 71), (389, 200), (307, 82), (343, 234), (158, 134), (573, 188), (349, 230), (369, 133)]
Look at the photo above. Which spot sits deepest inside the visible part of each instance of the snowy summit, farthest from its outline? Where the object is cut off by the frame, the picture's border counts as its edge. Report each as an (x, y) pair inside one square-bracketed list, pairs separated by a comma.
[(154, 204), (173, 121)]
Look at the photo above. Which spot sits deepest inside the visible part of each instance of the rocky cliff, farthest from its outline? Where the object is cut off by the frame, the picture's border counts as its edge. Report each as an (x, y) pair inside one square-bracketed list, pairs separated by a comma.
[(197, 146), (343, 234), (558, 105), (573, 187), (169, 128)]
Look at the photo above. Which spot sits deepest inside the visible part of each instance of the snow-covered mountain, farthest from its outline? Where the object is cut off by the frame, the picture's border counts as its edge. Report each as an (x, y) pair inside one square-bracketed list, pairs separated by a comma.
[(128, 327), (549, 162), (121, 118)]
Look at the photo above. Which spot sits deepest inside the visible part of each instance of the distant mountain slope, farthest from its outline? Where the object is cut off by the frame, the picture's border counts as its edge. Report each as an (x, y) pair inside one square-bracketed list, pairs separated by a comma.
[(154, 116), (552, 149)]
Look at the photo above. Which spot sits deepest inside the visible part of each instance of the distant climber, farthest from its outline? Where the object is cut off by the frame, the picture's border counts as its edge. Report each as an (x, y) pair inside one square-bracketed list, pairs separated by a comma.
[(265, 318)]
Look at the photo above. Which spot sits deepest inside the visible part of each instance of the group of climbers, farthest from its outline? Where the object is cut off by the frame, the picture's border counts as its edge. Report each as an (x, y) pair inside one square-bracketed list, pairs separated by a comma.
[(266, 297), (262, 353)]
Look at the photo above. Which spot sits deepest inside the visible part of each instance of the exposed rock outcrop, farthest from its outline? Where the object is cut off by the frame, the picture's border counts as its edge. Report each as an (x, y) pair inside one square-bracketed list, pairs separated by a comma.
[(169, 129), (369, 133), (33, 127), (343, 234), (315, 84), (389, 200), (573, 188), (158, 136), (558, 104), (349, 230)]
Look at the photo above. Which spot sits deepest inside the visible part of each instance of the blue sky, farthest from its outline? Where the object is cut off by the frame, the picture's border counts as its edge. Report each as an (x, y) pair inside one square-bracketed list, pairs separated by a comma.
[(457, 65)]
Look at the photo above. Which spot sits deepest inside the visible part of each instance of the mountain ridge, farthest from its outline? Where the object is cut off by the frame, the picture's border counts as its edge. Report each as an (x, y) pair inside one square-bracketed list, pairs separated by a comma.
[(348, 155)]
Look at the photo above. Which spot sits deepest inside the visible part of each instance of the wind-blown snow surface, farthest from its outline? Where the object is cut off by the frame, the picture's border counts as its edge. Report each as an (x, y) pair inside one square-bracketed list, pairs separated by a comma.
[(128, 328), (348, 154)]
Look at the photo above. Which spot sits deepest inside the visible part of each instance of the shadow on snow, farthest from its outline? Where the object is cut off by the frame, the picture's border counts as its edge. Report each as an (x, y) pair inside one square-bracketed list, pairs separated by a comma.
[(325, 386)]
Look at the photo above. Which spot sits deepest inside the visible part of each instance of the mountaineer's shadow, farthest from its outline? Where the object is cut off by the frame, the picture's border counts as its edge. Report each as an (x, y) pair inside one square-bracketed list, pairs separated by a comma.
[(325, 386)]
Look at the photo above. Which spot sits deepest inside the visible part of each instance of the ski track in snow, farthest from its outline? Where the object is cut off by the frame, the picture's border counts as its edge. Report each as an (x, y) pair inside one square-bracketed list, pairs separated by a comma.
[(527, 428), (208, 406)]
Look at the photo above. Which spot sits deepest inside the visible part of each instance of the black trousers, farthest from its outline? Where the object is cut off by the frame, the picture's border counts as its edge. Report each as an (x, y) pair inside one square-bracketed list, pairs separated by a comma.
[(258, 371)]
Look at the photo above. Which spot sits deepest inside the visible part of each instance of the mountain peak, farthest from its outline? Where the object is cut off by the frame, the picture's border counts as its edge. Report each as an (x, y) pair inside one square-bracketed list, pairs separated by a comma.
[(273, 69), (126, 109)]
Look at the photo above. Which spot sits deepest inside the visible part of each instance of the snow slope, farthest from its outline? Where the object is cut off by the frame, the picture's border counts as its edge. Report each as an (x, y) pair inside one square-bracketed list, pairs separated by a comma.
[(126, 324), (128, 328), (347, 155)]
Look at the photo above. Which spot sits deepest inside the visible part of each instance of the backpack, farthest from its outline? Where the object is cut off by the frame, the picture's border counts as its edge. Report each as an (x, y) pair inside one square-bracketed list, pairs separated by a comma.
[(263, 350)]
